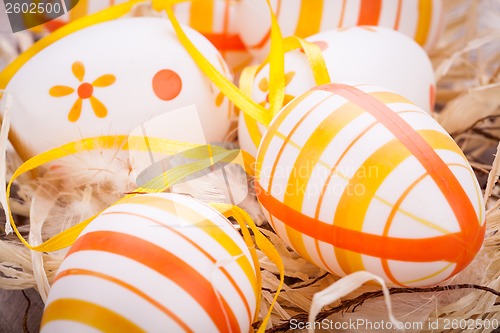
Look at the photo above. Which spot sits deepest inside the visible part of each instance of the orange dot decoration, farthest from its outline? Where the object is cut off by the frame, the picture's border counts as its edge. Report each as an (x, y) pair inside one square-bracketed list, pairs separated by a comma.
[(359, 178), (167, 84), (156, 262)]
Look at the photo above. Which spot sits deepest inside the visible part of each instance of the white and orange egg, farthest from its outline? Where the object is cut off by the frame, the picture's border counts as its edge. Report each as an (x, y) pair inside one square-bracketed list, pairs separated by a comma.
[(107, 79), (359, 178), (421, 20), (157, 262), (367, 54)]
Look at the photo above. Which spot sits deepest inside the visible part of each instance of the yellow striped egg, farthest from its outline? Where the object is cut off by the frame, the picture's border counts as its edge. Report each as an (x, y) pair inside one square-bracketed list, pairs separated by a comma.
[(359, 178), (367, 54), (155, 263), (91, 82), (422, 20)]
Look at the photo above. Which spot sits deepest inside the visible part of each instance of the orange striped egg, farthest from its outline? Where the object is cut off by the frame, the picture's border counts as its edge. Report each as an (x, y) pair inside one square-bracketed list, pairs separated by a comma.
[(216, 20), (365, 54), (358, 178), (421, 20), (155, 263)]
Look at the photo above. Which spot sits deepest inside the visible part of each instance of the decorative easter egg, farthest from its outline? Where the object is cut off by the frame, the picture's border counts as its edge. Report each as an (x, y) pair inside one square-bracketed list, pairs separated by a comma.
[(365, 54), (107, 79), (73, 10), (358, 178), (151, 263), (419, 19), (216, 20)]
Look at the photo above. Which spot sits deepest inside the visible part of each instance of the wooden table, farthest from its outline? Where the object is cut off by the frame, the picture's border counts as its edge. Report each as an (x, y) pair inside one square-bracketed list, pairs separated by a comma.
[(20, 312)]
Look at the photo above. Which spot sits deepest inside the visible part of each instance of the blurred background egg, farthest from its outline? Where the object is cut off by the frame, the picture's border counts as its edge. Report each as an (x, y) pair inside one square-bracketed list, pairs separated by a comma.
[(217, 21), (108, 78), (150, 263), (419, 19), (359, 178), (73, 9), (371, 55)]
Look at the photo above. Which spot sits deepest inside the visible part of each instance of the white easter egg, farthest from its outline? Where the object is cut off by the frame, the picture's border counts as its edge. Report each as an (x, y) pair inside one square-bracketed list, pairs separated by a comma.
[(422, 20), (108, 78), (155, 263), (359, 178), (371, 55)]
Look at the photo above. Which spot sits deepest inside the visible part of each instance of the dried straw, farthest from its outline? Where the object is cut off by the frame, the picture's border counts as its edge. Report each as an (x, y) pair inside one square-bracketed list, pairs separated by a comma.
[(468, 74)]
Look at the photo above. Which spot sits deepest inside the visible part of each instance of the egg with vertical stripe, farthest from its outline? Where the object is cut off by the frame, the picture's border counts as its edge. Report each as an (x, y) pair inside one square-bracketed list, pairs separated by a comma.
[(217, 21), (359, 178), (366, 54), (155, 263), (421, 20)]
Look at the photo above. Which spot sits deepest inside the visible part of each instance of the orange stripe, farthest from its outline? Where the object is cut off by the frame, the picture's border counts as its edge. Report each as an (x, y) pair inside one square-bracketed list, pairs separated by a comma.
[(310, 14), (207, 226), (89, 314), (199, 248), (275, 127), (388, 224), (260, 44), (225, 42), (307, 159), (352, 207), (391, 248), (425, 154), (276, 123), (424, 21), (129, 287), (341, 22), (167, 264), (80, 10), (369, 12), (332, 171), (398, 15)]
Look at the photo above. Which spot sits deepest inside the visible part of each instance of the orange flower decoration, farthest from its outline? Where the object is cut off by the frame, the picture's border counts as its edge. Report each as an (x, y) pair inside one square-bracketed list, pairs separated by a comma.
[(85, 91), (264, 87)]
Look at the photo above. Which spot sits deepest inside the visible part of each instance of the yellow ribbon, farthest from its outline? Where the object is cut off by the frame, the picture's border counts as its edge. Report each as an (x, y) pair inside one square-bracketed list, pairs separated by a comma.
[(241, 101), (263, 243), (158, 184)]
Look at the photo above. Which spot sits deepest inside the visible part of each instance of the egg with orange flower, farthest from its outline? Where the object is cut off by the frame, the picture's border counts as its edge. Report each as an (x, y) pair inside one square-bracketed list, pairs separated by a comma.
[(107, 79)]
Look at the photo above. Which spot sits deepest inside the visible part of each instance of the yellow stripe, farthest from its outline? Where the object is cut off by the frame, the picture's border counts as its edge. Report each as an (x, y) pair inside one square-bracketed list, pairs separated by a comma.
[(200, 221), (89, 314), (276, 123), (306, 161), (352, 208), (390, 97), (79, 11), (406, 283), (310, 15), (440, 140), (424, 21), (202, 14), (416, 218)]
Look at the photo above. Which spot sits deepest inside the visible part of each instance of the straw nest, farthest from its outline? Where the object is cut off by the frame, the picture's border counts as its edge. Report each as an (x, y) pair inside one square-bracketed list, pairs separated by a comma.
[(467, 66)]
